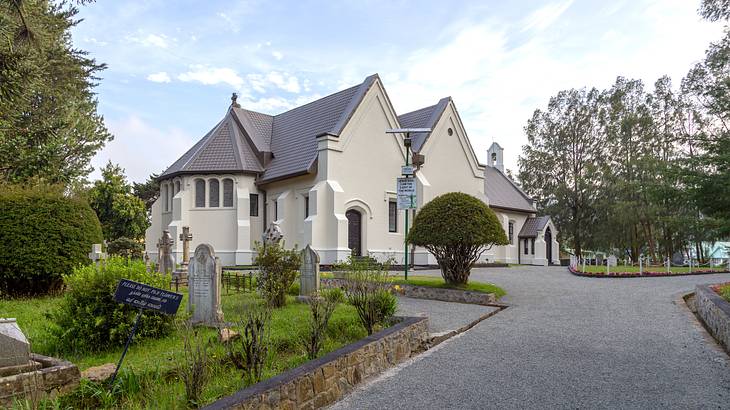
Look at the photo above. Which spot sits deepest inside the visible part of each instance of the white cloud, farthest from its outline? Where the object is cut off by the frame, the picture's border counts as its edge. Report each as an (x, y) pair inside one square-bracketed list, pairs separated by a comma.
[(138, 148), (546, 15), (285, 82), (211, 75), (92, 40), (277, 55), (150, 40), (161, 77)]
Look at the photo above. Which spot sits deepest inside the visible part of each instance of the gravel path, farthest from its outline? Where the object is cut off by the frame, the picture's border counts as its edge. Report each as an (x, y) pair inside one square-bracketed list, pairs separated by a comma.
[(567, 342), (442, 316)]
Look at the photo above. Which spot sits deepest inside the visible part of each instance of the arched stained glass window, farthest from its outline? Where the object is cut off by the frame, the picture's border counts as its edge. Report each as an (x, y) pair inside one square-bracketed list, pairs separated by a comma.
[(214, 199), (228, 192), (199, 193)]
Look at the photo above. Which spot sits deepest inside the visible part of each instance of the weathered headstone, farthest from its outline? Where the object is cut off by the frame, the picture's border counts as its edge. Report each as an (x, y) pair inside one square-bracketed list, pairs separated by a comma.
[(186, 237), (273, 234), (308, 273), (147, 261), (14, 347), (612, 261), (204, 287), (678, 259), (599, 259), (165, 263), (96, 254)]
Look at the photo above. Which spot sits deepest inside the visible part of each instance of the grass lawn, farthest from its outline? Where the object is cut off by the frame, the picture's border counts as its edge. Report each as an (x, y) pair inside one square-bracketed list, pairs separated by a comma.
[(438, 282), (150, 378), (635, 269)]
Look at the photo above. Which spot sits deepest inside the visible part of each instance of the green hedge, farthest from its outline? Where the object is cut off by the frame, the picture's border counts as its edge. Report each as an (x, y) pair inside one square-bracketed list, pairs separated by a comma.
[(90, 320), (43, 235)]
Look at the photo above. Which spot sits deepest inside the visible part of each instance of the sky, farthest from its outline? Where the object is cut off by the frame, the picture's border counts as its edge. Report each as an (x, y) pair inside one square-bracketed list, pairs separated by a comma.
[(172, 66)]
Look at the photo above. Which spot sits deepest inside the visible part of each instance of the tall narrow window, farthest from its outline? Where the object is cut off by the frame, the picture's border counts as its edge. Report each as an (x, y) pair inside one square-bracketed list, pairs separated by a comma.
[(228, 192), (276, 210), (306, 206), (392, 216), (170, 194), (253, 204), (214, 199), (532, 246), (177, 187), (525, 245), (164, 197), (199, 193), (511, 231)]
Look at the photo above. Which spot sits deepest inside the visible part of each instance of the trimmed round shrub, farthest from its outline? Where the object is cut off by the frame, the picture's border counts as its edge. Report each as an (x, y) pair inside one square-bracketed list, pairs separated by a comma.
[(89, 319), (126, 247), (44, 235), (456, 228)]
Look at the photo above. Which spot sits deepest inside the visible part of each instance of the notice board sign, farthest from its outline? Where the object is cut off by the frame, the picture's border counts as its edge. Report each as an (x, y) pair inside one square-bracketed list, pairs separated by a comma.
[(147, 297)]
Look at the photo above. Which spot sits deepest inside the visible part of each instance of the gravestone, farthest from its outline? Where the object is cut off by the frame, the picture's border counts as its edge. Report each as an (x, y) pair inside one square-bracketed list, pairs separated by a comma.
[(14, 347), (186, 237), (96, 254), (147, 261), (612, 261), (165, 263), (273, 234), (308, 273), (599, 260), (204, 287)]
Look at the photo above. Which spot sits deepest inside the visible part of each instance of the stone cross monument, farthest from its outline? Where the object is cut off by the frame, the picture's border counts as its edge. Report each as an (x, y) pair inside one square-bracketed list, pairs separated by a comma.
[(165, 263), (308, 273), (96, 254), (273, 234), (204, 287), (185, 237)]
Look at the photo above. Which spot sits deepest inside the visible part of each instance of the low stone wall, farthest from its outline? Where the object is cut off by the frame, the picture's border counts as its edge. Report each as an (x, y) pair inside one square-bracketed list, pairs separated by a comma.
[(55, 376), (325, 380), (714, 312), (425, 292)]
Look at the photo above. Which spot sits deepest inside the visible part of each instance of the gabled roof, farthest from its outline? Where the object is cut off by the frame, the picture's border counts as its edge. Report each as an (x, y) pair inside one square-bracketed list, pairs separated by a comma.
[(533, 226), (423, 118), (235, 143), (503, 193)]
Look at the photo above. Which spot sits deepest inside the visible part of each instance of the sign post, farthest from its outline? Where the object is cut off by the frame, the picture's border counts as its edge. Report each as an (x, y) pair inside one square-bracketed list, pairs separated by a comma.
[(142, 297)]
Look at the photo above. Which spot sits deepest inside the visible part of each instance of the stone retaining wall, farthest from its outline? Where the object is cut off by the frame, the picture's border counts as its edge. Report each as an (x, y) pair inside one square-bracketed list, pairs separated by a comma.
[(425, 292), (325, 380), (55, 376), (714, 312)]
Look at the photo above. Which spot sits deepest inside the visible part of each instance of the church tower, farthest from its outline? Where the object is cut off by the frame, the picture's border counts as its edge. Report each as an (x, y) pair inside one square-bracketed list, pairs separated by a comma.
[(495, 155)]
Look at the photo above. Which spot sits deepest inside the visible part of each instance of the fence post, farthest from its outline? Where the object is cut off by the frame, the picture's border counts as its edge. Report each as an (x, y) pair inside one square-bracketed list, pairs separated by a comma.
[(668, 264), (690, 264), (641, 264)]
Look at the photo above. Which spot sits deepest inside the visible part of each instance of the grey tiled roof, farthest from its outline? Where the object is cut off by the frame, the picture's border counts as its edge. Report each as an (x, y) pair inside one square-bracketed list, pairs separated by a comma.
[(533, 226), (235, 143), (503, 193), (423, 118)]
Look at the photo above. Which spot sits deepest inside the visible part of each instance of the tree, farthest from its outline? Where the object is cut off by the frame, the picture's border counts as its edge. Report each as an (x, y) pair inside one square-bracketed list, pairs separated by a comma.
[(715, 10), (147, 191), (456, 228), (49, 125), (122, 214), (560, 164)]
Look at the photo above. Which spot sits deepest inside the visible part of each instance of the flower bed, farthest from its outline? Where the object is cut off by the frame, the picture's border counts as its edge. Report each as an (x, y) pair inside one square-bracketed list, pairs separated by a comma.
[(637, 274)]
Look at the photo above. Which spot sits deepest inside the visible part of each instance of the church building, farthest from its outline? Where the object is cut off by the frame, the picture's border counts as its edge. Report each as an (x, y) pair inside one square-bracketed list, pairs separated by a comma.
[(325, 173)]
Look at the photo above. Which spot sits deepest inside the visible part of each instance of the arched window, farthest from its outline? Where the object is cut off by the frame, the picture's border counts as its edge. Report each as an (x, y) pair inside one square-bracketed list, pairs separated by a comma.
[(494, 158), (214, 194), (164, 197), (227, 192), (170, 194), (511, 232), (199, 193), (177, 187)]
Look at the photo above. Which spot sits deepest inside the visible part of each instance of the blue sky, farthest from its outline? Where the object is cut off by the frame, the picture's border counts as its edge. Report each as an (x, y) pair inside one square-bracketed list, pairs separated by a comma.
[(174, 65)]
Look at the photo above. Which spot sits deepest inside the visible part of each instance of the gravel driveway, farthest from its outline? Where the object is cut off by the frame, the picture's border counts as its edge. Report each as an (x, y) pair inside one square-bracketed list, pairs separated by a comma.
[(567, 342)]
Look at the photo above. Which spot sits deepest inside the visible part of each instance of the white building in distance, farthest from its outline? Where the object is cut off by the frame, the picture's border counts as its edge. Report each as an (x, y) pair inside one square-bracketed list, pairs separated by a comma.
[(326, 172)]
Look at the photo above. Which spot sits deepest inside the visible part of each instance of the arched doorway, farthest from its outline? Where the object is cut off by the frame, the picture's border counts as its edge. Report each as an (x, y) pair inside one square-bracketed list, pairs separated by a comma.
[(549, 246), (354, 231)]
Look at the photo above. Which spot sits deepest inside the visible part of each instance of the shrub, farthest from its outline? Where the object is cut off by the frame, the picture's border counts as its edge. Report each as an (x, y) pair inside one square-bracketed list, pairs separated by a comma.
[(321, 307), (125, 247), (90, 320), (277, 271), (44, 235), (195, 370), (366, 286), (456, 228), (250, 350)]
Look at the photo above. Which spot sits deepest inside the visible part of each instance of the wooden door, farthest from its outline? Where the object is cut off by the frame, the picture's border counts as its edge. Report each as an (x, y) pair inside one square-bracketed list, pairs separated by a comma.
[(354, 231), (549, 246)]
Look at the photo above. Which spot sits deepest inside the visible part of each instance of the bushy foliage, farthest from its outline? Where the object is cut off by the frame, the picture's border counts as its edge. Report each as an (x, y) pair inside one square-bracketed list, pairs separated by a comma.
[(367, 288), (126, 248), (195, 370), (90, 320), (249, 352), (122, 215), (44, 235), (321, 307), (277, 271), (456, 228)]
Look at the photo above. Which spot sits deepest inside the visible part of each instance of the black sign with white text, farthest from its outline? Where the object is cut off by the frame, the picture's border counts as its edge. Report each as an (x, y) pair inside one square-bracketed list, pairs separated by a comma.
[(144, 296)]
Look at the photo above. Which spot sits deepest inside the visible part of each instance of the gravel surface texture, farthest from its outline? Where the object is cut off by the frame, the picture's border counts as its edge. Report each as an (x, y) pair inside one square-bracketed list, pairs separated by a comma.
[(442, 316), (567, 342)]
